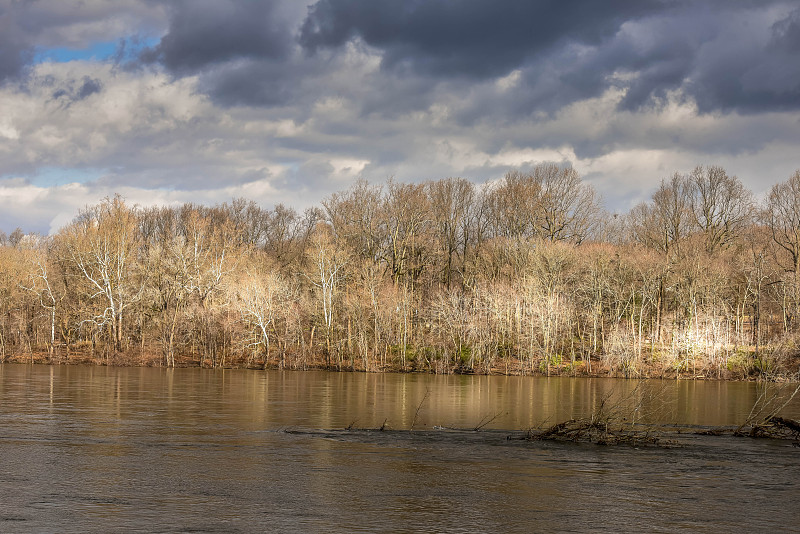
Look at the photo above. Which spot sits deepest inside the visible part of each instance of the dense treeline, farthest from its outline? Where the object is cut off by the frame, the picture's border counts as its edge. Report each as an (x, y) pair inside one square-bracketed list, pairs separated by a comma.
[(526, 274)]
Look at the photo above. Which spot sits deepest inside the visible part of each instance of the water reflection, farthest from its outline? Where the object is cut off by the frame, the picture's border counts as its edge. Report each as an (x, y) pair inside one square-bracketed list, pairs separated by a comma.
[(104, 449), (329, 400)]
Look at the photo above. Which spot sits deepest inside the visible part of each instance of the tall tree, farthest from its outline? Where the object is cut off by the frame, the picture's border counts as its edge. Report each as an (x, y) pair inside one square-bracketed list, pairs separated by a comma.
[(408, 218), (568, 209), (665, 221), (101, 245), (452, 201), (261, 298), (782, 217), (43, 284), (510, 205), (326, 263), (721, 206), (358, 219)]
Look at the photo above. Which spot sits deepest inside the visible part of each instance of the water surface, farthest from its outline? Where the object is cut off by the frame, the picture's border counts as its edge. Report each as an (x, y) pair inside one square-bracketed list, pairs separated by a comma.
[(190, 450)]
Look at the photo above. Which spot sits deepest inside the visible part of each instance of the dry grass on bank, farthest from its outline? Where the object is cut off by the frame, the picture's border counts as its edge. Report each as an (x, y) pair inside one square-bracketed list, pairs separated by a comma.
[(775, 363)]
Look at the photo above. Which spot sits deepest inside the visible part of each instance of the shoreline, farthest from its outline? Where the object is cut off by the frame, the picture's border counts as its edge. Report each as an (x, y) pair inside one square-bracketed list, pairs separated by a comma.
[(151, 359)]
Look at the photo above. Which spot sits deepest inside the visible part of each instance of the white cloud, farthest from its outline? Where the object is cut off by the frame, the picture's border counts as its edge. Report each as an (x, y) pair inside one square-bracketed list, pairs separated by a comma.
[(159, 139), (79, 23)]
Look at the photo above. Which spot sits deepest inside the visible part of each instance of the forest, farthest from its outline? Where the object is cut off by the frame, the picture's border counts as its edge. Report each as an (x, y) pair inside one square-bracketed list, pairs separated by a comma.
[(527, 274)]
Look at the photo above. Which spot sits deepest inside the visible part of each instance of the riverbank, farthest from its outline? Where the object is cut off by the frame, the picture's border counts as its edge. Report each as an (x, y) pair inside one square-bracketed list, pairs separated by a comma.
[(227, 286), (772, 364)]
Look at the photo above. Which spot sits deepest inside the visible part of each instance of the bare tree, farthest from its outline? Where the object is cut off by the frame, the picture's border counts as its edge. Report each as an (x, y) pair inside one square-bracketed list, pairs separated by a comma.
[(782, 216), (101, 244), (208, 253), (721, 206), (41, 283), (451, 202), (248, 220), (550, 202), (15, 237), (326, 273), (286, 233), (664, 222), (511, 204), (357, 218), (408, 218), (568, 209), (261, 298), (13, 270)]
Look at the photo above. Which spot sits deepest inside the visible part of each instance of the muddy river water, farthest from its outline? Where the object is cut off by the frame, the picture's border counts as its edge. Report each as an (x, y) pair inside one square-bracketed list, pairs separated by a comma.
[(95, 449)]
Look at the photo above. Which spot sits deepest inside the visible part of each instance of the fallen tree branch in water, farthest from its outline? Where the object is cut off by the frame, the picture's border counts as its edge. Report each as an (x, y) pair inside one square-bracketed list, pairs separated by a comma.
[(599, 433), (485, 420), (624, 420), (611, 423), (419, 408), (763, 420), (776, 428)]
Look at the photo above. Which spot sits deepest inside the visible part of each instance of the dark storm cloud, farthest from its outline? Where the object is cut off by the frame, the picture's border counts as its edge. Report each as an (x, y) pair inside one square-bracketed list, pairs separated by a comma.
[(721, 60), (569, 51), (471, 38), (256, 83), (12, 58), (247, 83), (786, 33), (741, 56), (15, 52), (203, 33)]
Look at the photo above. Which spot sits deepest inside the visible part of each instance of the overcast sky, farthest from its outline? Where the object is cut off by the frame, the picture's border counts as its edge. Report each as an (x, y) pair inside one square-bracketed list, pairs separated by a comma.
[(284, 101)]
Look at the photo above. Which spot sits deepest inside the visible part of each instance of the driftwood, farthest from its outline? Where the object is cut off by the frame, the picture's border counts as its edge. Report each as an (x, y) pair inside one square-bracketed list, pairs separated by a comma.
[(613, 422), (764, 422), (776, 428), (789, 424), (599, 432)]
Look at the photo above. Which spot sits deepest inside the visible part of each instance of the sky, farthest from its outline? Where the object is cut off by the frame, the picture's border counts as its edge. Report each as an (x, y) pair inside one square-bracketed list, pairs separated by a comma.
[(287, 101)]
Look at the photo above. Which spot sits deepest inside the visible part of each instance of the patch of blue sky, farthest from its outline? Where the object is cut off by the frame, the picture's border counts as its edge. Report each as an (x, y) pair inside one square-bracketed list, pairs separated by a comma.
[(122, 49), (55, 176), (97, 51)]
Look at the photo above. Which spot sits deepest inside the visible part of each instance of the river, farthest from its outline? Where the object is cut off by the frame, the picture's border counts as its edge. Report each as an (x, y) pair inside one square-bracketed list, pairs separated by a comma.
[(97, 449)]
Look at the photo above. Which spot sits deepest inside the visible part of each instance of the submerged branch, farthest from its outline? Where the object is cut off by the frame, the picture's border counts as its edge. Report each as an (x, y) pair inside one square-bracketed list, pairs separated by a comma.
[(486, 420), (763, 420), (419, 407), (600, 433)]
